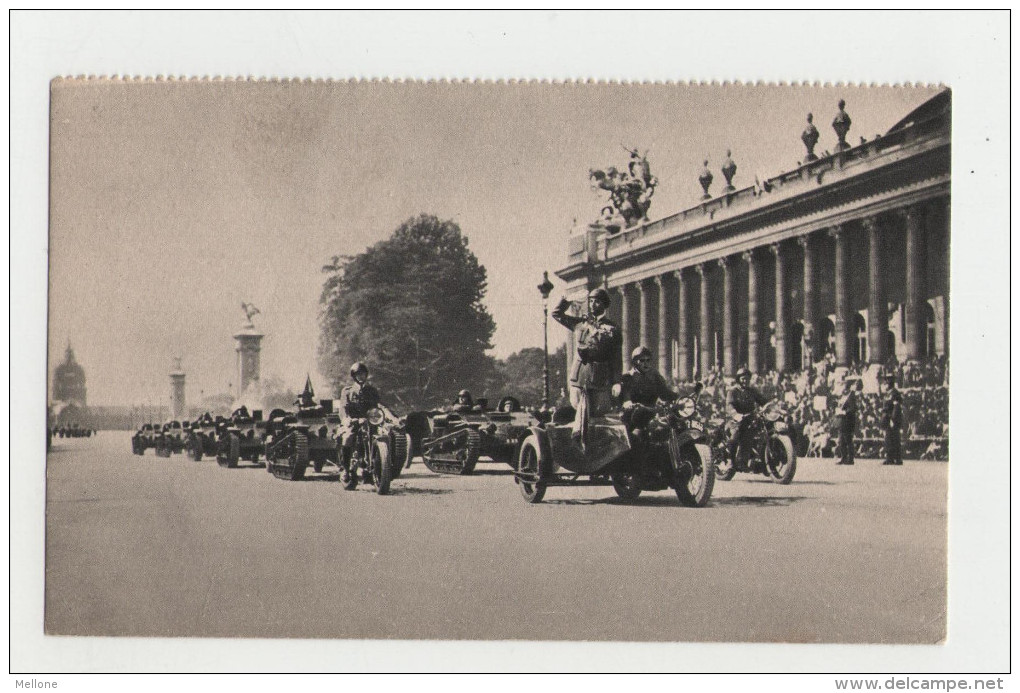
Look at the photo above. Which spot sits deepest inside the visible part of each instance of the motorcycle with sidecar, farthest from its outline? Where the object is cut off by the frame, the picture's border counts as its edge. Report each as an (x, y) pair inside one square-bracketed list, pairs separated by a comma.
[(646, 449), (768, 451)]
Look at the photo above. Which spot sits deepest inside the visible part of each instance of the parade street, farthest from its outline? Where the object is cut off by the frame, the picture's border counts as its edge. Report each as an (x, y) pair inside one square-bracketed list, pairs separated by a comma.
[(146, 546)]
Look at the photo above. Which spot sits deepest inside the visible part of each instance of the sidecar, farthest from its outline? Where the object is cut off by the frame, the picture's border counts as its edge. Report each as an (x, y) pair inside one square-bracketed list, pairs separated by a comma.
[(671, 453)]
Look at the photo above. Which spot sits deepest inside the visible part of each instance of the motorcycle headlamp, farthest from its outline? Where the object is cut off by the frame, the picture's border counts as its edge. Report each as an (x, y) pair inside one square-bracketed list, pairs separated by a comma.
[(685, 408), (376, 416)]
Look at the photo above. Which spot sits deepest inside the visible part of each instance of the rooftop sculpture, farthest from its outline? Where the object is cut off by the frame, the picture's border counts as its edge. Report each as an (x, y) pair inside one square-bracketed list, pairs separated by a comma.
[(630, 192)]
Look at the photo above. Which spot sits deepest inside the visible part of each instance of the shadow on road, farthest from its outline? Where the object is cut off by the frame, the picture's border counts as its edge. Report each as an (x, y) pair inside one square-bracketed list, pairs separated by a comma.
[(760, 501), (414, 491), (649, 502)]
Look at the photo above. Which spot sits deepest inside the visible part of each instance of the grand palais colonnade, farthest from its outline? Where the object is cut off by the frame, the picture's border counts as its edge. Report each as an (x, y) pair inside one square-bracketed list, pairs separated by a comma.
[(848, 254)]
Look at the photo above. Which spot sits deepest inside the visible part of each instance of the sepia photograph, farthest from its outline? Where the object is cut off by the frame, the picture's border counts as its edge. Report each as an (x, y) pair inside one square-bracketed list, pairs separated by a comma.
[(503, 361)]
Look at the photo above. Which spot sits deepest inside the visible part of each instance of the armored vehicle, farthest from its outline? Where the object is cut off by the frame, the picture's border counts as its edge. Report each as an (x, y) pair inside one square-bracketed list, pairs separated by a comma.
[(200, 440), (295, 439), (455, 440), (170, 440), (241, 437), (144, 439)]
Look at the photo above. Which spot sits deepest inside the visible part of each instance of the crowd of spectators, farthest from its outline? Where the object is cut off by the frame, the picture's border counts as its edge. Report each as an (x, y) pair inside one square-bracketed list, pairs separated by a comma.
[(809, 399)]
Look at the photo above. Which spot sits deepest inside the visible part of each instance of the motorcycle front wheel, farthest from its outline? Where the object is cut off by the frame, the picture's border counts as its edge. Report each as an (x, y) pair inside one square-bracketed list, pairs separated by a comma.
[(694, 489), (382, 467), (780, 459), (626, 485)]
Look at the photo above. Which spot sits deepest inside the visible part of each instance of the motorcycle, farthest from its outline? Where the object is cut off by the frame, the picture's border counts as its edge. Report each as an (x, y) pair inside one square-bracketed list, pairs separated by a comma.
[(767, 450), (658, 447), (371, 458)]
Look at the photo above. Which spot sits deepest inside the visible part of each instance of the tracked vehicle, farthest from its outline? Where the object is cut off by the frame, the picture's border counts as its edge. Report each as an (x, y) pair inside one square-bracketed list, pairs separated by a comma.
[(241, 437)]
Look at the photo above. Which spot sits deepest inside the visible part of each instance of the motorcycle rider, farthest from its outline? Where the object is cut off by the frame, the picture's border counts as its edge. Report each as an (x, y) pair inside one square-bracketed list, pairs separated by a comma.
[(740, 404), (598, 341), (356, 400), (642, 385)]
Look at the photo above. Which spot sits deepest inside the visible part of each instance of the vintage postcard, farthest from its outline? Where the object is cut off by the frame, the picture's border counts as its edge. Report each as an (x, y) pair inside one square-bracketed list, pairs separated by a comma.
[(293, 260), (500, 361)]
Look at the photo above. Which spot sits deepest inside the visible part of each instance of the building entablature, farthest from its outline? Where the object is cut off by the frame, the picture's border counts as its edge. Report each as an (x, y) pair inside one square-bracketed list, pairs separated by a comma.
[(910, 165)]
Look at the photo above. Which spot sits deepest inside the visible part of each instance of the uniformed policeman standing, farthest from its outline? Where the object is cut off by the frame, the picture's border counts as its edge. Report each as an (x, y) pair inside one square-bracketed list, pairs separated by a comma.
[(892, 421), (598, 341), (846, 419)]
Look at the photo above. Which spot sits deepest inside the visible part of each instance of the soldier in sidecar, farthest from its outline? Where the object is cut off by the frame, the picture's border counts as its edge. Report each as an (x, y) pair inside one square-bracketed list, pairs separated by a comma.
[(653, 442)]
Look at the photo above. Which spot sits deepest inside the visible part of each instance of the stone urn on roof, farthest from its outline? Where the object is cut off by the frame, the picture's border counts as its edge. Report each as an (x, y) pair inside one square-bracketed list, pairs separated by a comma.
[(706, 180), (841, 124), (729, 169), (810, 138)]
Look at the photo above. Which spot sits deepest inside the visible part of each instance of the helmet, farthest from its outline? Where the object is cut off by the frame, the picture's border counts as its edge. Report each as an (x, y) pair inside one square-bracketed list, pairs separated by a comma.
[(463, 393), (600, 294), (741, 372), (639, 352), (358, 367)]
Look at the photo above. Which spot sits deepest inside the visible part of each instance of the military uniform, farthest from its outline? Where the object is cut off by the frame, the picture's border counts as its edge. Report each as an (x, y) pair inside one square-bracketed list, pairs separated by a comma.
[(598, 341), (892, 421), (741, 400), (356, 400), (846, 413)]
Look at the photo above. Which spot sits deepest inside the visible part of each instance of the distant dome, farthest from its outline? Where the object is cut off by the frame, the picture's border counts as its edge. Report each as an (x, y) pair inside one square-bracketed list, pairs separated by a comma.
[(69, 380)]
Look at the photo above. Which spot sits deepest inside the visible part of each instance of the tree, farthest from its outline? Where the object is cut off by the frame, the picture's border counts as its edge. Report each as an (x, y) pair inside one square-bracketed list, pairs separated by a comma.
[(520, 375), (411, 308)]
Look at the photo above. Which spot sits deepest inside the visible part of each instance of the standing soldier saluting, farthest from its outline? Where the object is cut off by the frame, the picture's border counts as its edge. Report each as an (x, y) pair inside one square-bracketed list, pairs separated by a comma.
[(598, 341), (892, 420)]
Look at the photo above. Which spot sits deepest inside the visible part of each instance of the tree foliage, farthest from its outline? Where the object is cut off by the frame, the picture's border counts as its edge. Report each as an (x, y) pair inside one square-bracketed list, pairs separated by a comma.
[(411, 308), (520, 375)]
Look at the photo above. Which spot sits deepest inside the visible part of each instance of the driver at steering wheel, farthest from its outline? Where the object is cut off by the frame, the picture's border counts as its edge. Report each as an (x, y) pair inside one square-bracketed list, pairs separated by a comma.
[(740, 404), (356, 400)]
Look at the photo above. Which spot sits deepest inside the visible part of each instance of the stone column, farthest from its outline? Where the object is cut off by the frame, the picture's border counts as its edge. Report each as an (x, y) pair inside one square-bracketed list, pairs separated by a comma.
[(878, 319), (682, 336), (841, 286), (729, 315), (627, 336), (664, 350), (705, 346), (646, 327), (810, 347), (754, 361), (913, 315), (781, 316)]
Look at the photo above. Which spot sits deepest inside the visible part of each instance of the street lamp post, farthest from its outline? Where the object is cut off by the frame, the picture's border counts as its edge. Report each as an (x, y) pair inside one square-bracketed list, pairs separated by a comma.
[(545, 288)]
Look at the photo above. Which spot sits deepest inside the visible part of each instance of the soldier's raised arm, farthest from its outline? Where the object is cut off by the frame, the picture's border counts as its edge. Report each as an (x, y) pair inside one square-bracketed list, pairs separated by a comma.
[(559, 314)]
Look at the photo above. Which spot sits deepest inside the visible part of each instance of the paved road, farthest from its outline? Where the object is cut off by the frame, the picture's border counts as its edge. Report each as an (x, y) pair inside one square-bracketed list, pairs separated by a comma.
[(161, 547)]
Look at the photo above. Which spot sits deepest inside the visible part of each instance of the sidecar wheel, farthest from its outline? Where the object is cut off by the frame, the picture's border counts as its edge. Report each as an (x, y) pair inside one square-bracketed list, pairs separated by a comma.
[(781, 460), (529, 463), (626, 486), (695, 490)]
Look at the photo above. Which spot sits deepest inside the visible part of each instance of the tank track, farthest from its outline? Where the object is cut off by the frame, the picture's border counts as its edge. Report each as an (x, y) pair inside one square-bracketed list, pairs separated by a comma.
[(288, 459), (454, 453)]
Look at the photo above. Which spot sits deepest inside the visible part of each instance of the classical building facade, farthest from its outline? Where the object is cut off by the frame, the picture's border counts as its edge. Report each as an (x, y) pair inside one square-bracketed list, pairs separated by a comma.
[(847, 253)]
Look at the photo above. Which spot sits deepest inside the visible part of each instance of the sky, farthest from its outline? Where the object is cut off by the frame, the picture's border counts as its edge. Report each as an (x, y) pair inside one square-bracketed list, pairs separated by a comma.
[(172, 202)]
